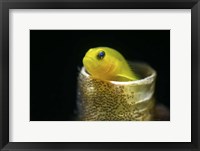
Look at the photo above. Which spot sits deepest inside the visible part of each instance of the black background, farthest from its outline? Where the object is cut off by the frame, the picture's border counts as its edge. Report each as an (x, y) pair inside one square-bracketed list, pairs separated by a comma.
[(56, 55)]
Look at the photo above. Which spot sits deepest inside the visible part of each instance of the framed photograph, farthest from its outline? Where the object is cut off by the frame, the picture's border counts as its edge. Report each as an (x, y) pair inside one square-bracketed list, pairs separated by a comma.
[(91, 75)]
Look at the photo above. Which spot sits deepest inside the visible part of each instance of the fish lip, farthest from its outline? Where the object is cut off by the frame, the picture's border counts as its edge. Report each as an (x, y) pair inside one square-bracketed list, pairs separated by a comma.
[(89, 60)]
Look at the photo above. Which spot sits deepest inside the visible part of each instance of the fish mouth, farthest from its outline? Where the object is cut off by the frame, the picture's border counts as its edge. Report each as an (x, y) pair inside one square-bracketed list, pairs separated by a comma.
[(87, 60), (88, 63)]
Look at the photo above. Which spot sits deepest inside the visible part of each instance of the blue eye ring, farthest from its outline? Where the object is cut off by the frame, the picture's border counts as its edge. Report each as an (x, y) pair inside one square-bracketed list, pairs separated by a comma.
[(101, 55)]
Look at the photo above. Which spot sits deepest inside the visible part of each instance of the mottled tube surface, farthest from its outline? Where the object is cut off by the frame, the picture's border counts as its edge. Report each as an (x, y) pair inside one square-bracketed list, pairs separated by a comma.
[(100, 100)]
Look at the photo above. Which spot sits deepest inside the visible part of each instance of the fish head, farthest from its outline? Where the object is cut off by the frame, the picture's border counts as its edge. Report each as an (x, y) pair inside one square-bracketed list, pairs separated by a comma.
[(100, 62)]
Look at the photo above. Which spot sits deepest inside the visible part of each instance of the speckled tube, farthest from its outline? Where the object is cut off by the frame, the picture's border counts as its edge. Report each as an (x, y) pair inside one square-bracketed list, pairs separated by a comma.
[(117, 101)]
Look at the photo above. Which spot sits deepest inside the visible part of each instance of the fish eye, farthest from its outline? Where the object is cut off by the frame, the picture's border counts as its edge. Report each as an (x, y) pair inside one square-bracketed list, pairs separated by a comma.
[(101, 55)]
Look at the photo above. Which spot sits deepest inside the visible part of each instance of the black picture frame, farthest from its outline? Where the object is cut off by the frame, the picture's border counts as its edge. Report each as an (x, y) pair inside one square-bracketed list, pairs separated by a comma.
[(5, 5)]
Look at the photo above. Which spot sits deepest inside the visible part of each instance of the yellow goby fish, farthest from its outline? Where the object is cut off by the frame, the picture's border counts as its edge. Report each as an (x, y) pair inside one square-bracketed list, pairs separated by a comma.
[(108, 64)]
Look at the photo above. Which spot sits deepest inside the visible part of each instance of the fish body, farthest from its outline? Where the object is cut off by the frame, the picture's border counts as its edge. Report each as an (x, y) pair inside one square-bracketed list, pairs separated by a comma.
[(108, 64)]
